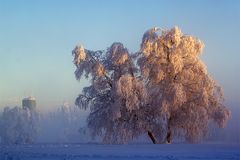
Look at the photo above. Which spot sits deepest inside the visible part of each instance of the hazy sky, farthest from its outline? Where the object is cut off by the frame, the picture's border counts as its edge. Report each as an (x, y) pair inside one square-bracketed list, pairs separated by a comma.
[(37, 37)]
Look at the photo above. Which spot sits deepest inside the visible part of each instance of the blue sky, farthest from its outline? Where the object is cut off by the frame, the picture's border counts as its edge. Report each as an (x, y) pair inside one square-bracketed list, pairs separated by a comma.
[(36, 39)]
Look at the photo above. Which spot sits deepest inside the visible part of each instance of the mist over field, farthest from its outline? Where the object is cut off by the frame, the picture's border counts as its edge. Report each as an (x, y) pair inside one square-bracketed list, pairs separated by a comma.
[(58, 139), (68, 125), (54, 129)]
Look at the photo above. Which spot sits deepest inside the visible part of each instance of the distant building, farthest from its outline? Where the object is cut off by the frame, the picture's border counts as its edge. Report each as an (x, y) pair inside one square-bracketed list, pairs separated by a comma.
[(29, 102)]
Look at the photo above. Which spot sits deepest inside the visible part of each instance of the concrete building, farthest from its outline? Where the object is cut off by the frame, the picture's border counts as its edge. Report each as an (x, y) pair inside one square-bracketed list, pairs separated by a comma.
[(29, 102)]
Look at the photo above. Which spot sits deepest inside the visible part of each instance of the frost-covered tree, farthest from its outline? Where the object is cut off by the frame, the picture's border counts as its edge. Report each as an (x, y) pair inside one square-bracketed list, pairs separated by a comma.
[(182, 93), (18, 126), (163, 90)]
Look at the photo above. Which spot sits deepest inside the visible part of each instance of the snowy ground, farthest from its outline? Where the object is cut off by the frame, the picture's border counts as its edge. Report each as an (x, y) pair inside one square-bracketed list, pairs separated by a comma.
[(113, 152)]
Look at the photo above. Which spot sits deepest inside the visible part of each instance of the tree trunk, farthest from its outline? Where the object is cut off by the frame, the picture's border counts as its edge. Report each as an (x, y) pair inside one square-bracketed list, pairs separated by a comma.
[(152, 137), (169, 137)]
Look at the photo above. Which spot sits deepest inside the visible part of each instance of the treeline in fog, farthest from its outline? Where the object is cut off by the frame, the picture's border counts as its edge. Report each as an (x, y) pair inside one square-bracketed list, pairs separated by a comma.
[(25, 126)]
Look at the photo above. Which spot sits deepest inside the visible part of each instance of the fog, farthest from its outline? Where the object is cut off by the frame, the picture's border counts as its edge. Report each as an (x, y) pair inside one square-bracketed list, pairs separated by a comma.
[(67, 124), (230, 134)]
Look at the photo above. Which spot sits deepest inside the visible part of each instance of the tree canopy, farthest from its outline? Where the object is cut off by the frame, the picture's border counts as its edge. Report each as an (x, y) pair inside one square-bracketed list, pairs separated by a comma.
[(163, 90)]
